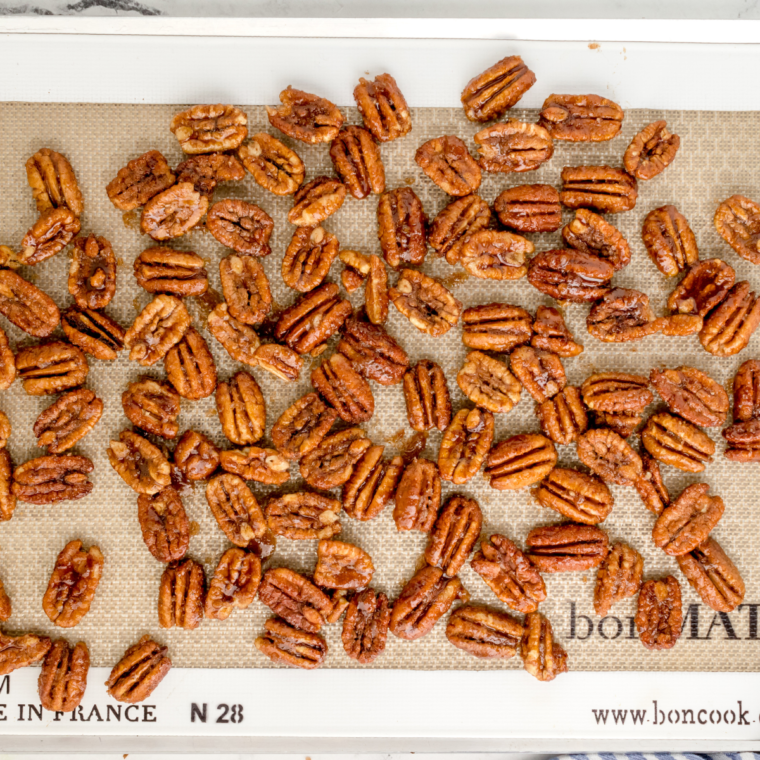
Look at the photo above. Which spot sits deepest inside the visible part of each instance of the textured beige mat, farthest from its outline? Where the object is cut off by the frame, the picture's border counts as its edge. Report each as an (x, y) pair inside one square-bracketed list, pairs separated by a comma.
[(719, 156)]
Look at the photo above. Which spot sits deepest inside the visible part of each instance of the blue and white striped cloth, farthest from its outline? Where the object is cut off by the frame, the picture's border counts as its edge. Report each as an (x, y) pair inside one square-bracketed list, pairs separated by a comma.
[(663, 756)]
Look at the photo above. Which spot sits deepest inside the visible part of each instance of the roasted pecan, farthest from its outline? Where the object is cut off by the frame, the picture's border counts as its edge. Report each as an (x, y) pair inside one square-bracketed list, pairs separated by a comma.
[(190, 366), (241, 407), (659, 615), (258, 464), (317, 200), (173, 212), (5, 430), (7, 498), (164, 270), (67, 420), (365, 627), (376, 297), (281, 361), (355, 270), (592, 234), (195, 456), (92, 274), (746, 387), (372, 352), (239, 339), (465, 444), (313, 320), (575, 495), (21, 651), (669, 240), (140, 464), (520, 461), (164, 525), (209, 128), (383, 107), (455, 532), (682, 324), (372, 484), (242, 226), (152, 406), (513, 147), (618, 577), (713, 575), (529, 208), (492, 93), (332, 461), (236, 510), (692, 394), (342, 566), (357, 162), (562, 417), (737, 221), (49, 235), (143, 666), (428, 404), (206, 171), (687, 522), (650, 485), (496, 255), (677, 442), (302, 426), (24, 304), (651, 151), (488, 383), (288, 645), (703, 288), (616, 392), (181, 595), (423, 601), (610, 457), (570, 275), (51, 367), (622, 423), (308, 258), (303, 516), (581, 118), (52, 478), (234, 584), (273, 165), (744, 441), (295, 599), (344, 389), (140, 180), (602, 188), (306, 117), (622, 315), (401, 222), (540, 372), (483, 632), (94, 332), (427, 304), (496, 327), (449, 164), (567, 547), (728, 327), (542, 657), (418, 496), (53, 182), (63, 677), (455, 223), (7, 362), (158, 327)]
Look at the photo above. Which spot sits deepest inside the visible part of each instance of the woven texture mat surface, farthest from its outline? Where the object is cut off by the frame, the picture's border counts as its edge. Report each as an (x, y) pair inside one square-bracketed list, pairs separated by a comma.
[(718, 157)]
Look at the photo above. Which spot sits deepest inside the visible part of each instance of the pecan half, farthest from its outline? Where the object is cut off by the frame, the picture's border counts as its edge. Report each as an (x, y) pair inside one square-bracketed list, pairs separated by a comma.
[(676, 442), (164, 270), (592, 234), (610, 457), (273, 165), (622, 315), (376, 298), (455, 223), (195, 456), (152, 406), (52, 478), (365, 627), (173, 212), (383, 107), (306, 117), (308, 258), (618, 577), (92, 274), (158, 327), (492, 93), (21, 651), (356, 158), (5, 430), (7, 363), (746, 387), (181, 595), (206, 171), (302, 426), (496, 327), (316, 201), (51, 367), (567, 547), (513, 147), (141, 669), (140, 464), (418, 496), (140, 180), (540, 372), (659, 615), (241, 407), (283, 362), (602, 188), (7, 497), (94, 332), (288, 645), (63, 677), (295, 599), (303, 516), (164, 525), (372, 352), (342, 566), (372, 484), (651, 151), (496, 255), (449, 164), (669, 240), (427, 304), (575, 495), (687, 522), (542, 657), (650, 485), (616, 392), (581, 118), (332, 461), (713, 575), (692, 394), (239, 339), (190, 366), (728, 328), (703, 288), (529, 208), (488, 383), (465, 444), (570, 275), (242, 226), (428, 403), (562, 417), (454, 534), (401, 222), (257, 464), (520, 461), (53, 182), (234, 584), (67, 420), (483, 632), (49, 235), (236, 510), (24, 304), (209, 128), (344, 389), (744, 441), (737, 221)]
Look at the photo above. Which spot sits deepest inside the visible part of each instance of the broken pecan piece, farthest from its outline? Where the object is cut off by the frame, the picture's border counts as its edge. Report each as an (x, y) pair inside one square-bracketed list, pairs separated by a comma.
[(676, 442), (181, 595), (190, 366), (164, 525), (567, 548), (383, 107), (496, 255), (550, 333), (342, 566), (53, 182), (513, 147), (273, 165), (575, 495), (92, 273), (428, 404), (308, 258), (488, 383), (332, 461), (737, 221), (594, 235), (455, 532), (140, 180), (703, 288), (242, 226), (209, 128), (52, 478), (50, 368), (207, 170), (158, 327), (483, 632), (94, 332), (372, 352), (21, 651), (344, 389), (728, 328), (669, 240), (28, 307), (618, 577), (713, 575), (602, 188), (570, 275), (427, 304), (67, 420), (449, 164), (173, 212), (542, 657), (610, 457), (49, 235), (401, 222), (138, 673), (63, 677), (622, 315), (529, 208), (372, 484), (687, 522), (356, 158), (692, 394), (492, 93), (659, 615), (465, 444), (306, 117), (164, 270), (365, 627), (234, 584), (562, 417), (455, 223), (520, 461), (295, 599), (302, 426), (195, 456), (141, 465), (651, 151), (73, 584), (303, 516), (581, 118), (152, 406), (286, 644), (241, 407), (418, 496)]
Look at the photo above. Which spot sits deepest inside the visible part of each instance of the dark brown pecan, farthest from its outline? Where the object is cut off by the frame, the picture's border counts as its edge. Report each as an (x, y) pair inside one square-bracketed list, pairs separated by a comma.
[(520, 461), (209, 128), (308, 258), (302, 426), (428, 404), (496, 255), (164, 270), (449, 164), (562, 417), (383, 107), (622, 315), (195, 456), (92, 274), (401, 222), (152, 406), (344, 389), (7, 498), (234, 584), (206, 171), (182, 595), (239, 339), (713, 575), (242, 226), (173, 212), (483, 632), (423, 601), (317, 200), (24, 304), (303, 516), (288, 645), (372, 352), (513, 147), (158, 327), (365, 627), (53, 182), (372, 484), (21, 651), (669, 240), (418, 496), (73, 584), (737, 221), (67, 420), (728, 327), (610, 457), (575, 495), (52, 478), (618, 578), (257, 464), (602, 188), (691, 394), (51, 367), (241, 407), (306, 117), (488, 383), (376, 296), (283, 362), (496, 327), (295, 599), (313, 320), (650, 485), (236, 510), (356, 158), (7, 362), (332, 461), (63, 677), (94, 332), (616, 392), (687, 522), (492, 93), (273, 165), (190, 366), (581, 118), (49, 235), (140, 180), (164, 525), (651, 151), (455, 223), (529, 208), (659, 615), (425, 302), (676, 442), (540, 372), (570, 275), (567, 547), (592, 234), (465, 445), (455, 532), (141, 669), (140, 464), (703, 288), (342, 566), (542, 657), (744, 441), (746, 389)]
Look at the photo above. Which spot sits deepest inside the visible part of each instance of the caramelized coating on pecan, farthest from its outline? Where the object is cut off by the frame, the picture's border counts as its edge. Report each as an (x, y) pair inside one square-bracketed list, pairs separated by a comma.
[(563, 417), (7, 497), (455, 223), (140, 180), (239, 339), (492, 93), (581, 118), (234, 584), (616, 392), (529, 208), (728, 328), (659, 615), (283, 362), (63, 677), (610, 457), (182, 595), (676, 442), (302, 426), (483, 632), (209, 128), (195, 456), (418, 496), (7, 363), (570, 275), (24, 304), (94, 332), (703, 288), (401, 222), (5, 430), (542, 657), (550, 333), (488, 383), (372, 484), (425, 302), (332, 461), (303, 516), (173, 212), (567, 548), (152, 406), (737, 221), (344, 389), (713, 575), (258, 464), (21, 651), (496, 255), (142, 668), (49, 235), (650, 485), (141, 465), (158, 327), (295, 598), (365, 627), (743, 441), (592, 234), (67, 420), (241, 408), (618, 577), (53, 182), (602, 188), (52, 478), (288, 645), (520, 461), (692, 394), (669, 240), (164, 270), (206, 171), (465, 444), (428, 403), (449, 164), (496, 327), (164, 525), (306, 117), (651, 151), (50, 368), (242, 226), (190, 366), (92, 274), (236, 510), (356, 158), (317, 200), (746, 388), (454, 534), (383, 107), (273, 165), (575, 495), (376, 296), (372, 352), (308, 258), (513, 147), (622, 315), (342, 566), (540, 372), (687, 522)]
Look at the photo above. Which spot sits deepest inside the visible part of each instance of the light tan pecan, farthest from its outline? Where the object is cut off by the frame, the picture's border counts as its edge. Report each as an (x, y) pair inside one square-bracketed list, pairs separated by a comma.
[(418, 496), (182, 595), (173, 212), (209, 128), (610, 457), (207, 170), (376, 297), (63, 677), (152, 406), (513, 147), (273, 165), (659, 614), (713, 575), (308, 258), (669, 240), (288, 645), (195, 456), (303, 516), (520, 461), (529, 208), (372, 352), (53, 182), (618, 577), (496, 327), (344, 389), (242, 226), (164, 525), (242, 411), (465, 444), (342, 566), (372, 484), (164, 270), (316, 201), (7, 497), (365, 627), (607, 190), (138, 673), (488, 383), (383, 107), (650, 485), (576, 495), (692, 394), (728, 328), (455, 223), (401, 223), (425, 302), (550, 333), (190, 366), (563, 417), (428, 404), (540, 372), (454, 534), (24, 304), (49, 235), (492, 93), (581, 118), (92, 274), (236, 510), (542, 657), (705, 286), (94, 332), (483, 632), (592, 234), (651, 151), (306, 117), (570, 275), (332, 461), (50, 368), (496, 255), (257, 464), (567, 548), (687, 522), (302, 426), (234, 584), (140, 180), (158, 327), (449, 164), (737, 221), (356, 158), (295, 598), (21, 651), (676, 442), (67, 420), (141, 465)]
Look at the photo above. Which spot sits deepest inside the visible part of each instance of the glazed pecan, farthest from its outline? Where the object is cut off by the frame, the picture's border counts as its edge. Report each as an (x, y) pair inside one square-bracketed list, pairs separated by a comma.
[(317, 200), (239, 339), (365, 627), (567, 547), (728, 327), (520, 461), (687, 522), (21, 651), (372, 352), (492, 93), (306, 117), (496, 327), (691, 394), (49, 235), (236, 510), (651, 151), (423, 601), (242, 226), (650, 485), (746, 387), (273, 165), (427, 304), (181, 595), (152, 406), (258, 464), (581, 118), (50, 368), (570, 275), (241, 407), (743, 440), (618, 577), (67, 420), (602, 188), (94, 332), (372, 484), (622, 315), (703, 288), (5, 430), (542, 657), (308, 258), (209, 128), (206, 171), (513, 147), (342, 566), (376, 297), (164, 270), (669, 240), (496, 255), (575, 495), (332, 461), (303, 516), (355, 270), (550, 333), (682, 324), (563, 417), (7, 498), (610, 457), (713, 575), (529, 208), (234, 584), (540, 372), (164, 525), (24, 304), (92, 274), (401, 222), (737, 221), (52, 478), (676, 442), (140, 180), (158, 327), (455, 532), (283, 362), (195, 456), (383, 107), (141, 669), (616, 392), (288, 645), (140, 464), (455, 223), (465, 444), (173, 212), (302, 426), (357, 162), (449, 164), (592, 234), (53, 182), (418, 496), (63, 677), (295, 599), (344, 389), (428, 404), (659, 615), (7, 363), (483, 632), (488, 383), (190, 366)]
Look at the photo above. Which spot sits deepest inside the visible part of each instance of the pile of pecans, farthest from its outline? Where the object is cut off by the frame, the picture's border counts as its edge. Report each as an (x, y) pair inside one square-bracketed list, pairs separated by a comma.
[(598, 417)]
